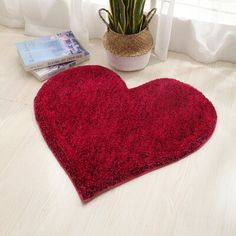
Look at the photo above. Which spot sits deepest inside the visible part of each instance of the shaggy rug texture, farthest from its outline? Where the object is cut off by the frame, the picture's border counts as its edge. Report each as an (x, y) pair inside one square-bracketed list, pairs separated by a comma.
[(104, 134)]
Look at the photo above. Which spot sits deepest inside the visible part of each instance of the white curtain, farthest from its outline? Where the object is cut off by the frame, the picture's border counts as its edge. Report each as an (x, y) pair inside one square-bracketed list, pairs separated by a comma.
[(205, 42), (164, 28), (198, 28), (205, 29), (43, 17)]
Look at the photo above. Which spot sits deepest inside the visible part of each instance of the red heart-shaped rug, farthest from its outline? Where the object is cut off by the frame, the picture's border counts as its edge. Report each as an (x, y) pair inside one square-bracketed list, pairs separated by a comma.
[(104, 134)]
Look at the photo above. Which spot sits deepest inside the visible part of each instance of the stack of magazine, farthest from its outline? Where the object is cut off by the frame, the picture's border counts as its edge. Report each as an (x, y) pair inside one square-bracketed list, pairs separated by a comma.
[(48, 55)]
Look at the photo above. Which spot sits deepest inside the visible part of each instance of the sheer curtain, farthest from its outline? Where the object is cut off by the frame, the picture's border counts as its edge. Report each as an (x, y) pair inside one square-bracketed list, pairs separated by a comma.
[(42, 17), (205, 29), (202, 29)]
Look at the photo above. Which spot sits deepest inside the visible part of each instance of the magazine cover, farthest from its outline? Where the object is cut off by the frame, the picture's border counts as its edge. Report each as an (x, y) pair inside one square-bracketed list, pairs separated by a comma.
[(47, 72), (49, 50)]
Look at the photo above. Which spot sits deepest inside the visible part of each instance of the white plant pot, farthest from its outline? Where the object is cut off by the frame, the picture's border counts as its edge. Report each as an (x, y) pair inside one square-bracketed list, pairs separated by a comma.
[(132, 63)]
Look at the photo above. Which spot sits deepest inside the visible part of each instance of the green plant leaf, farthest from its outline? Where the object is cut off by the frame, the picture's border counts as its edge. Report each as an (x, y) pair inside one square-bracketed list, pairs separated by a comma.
[(137, 14), (127, 16), (122, 16), (127, 7), (115, 11), (120, 29), (111, 21)]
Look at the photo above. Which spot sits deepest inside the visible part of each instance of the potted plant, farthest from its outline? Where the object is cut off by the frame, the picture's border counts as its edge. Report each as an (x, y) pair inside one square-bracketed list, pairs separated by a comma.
[(128, 41)]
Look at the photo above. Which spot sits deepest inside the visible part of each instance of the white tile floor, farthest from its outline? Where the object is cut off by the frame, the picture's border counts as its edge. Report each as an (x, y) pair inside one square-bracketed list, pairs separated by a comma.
[(195, 196)]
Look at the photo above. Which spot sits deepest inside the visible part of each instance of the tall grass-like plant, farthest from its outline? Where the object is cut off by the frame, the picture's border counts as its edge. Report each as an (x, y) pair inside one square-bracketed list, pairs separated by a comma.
[(126, 16)]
